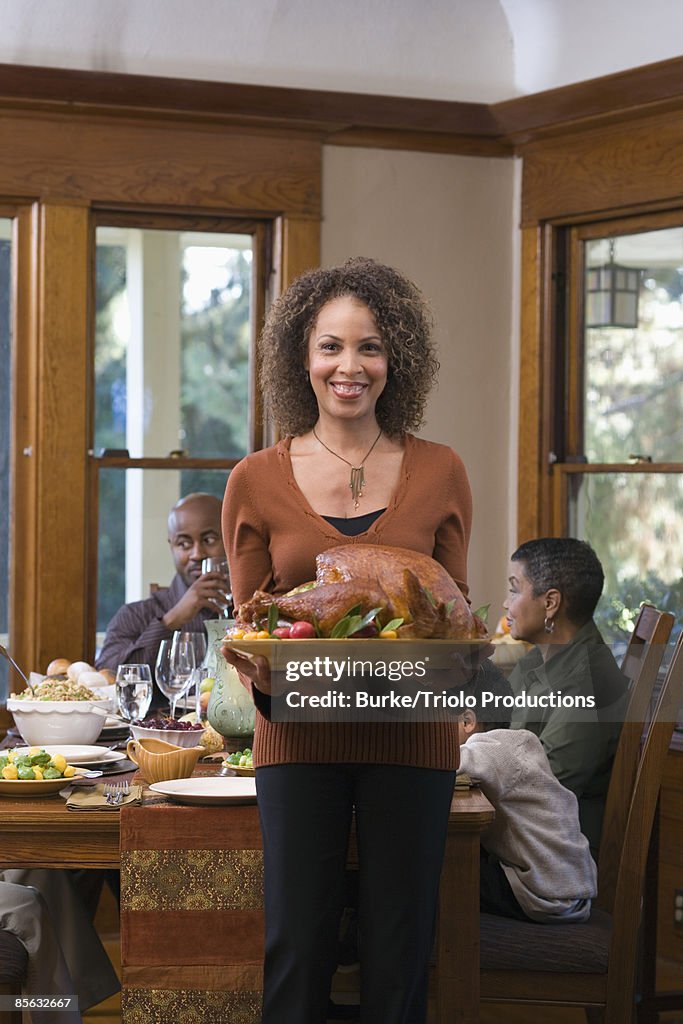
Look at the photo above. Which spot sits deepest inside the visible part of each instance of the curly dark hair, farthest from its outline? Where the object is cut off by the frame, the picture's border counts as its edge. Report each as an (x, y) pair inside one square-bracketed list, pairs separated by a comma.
[(568, 565), (404, 322)]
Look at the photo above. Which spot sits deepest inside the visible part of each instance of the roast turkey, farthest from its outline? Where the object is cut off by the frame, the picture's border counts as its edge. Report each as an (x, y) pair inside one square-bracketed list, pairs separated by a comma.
[(403, 584)]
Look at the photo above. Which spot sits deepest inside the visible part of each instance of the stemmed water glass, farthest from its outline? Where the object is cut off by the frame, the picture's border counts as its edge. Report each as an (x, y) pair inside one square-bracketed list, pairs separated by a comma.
[(181, 667), (198, 642), (133, 691), (174, 668), (161, 667)]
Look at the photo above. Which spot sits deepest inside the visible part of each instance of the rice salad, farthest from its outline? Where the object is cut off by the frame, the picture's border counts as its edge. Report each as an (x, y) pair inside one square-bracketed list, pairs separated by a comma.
[(57, 689)]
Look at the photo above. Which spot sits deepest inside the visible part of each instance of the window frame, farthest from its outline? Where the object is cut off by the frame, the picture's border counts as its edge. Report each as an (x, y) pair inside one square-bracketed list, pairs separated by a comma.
[(261, 230), (89, 162), (565, 356)]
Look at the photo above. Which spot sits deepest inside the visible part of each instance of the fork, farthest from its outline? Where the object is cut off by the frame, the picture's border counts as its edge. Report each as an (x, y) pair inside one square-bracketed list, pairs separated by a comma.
[(115, 792), (110, 791)]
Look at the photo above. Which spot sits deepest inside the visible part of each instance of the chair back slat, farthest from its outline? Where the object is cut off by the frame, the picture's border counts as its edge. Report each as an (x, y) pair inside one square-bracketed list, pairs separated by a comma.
[(641, 664), (641, 813)]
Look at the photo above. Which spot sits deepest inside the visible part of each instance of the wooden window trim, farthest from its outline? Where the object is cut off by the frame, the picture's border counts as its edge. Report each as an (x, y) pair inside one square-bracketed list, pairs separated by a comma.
[(62, 170), (561, 474), (570, 189)]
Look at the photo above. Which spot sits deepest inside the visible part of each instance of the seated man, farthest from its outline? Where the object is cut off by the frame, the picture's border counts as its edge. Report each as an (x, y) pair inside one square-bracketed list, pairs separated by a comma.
[(65, 955), (137, 629), (555, 585), (535, 864)]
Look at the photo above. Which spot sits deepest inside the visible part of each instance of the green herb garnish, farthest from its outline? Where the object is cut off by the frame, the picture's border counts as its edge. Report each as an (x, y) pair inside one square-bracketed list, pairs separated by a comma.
[(483, 612), (352, 623), (272, 617)]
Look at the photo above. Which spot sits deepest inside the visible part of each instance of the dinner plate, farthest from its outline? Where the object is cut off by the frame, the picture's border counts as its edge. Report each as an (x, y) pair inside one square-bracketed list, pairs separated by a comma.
[(83, 755), (114, 724), (209, 789), (31, 787)]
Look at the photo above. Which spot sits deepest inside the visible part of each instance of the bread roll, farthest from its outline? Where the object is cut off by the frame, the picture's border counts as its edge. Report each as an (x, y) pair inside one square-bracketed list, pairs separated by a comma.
[(58, 667), (76, 667), (92, 679)]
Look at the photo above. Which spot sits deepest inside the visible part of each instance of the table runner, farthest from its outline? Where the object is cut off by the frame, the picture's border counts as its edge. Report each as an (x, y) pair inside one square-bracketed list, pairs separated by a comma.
[(191, 914)]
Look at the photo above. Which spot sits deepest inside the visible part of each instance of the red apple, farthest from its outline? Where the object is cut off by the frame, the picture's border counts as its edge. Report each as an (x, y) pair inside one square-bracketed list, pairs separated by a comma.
[(302, 631), (282, 632)]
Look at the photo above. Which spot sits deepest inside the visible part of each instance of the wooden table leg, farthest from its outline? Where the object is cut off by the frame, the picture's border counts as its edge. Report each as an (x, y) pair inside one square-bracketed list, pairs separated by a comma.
[(457, 969)]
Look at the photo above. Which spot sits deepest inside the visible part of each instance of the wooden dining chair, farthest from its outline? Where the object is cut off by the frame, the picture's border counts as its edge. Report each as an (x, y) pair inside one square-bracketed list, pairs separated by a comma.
[(641, 664), (594, 964)]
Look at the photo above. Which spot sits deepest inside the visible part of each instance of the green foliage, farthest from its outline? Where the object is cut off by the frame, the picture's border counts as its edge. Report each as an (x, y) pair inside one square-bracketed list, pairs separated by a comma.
[(616, 613), (634, 404), (634, 379), (216, 344)]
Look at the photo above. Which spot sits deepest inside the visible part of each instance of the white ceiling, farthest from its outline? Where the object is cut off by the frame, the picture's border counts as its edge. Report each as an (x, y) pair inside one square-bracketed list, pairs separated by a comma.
[(475, 50)]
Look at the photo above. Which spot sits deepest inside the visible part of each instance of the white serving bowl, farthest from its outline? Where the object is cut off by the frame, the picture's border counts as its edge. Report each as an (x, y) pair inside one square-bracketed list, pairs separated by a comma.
[(42, 722), (178, 737)]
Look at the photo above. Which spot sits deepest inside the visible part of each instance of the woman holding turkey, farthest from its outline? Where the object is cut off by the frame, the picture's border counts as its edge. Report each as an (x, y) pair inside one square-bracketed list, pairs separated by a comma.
[(347, 362)]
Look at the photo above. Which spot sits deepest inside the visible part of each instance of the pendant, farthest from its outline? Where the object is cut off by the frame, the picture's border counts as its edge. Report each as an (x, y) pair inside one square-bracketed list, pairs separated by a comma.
[(356, 483)]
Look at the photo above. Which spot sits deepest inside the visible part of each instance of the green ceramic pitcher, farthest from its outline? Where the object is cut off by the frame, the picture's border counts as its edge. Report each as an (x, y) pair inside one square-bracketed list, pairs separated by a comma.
[(230, 711)]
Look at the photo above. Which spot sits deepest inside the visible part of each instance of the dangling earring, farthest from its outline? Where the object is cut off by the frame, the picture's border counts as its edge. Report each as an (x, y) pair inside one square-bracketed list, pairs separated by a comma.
[(549, 625)]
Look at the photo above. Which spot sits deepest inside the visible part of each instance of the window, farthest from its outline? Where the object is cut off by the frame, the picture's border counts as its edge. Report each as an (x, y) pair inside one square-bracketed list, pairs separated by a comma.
[(181, 172), (176, 310), (618, 478)]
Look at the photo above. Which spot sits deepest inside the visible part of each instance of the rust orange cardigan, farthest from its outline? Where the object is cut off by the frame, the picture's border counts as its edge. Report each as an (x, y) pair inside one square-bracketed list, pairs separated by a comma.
[(272, 537)]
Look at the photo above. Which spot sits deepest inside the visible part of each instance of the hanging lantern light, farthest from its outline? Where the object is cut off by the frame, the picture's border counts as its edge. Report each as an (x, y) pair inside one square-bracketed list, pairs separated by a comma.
[(612, 294)]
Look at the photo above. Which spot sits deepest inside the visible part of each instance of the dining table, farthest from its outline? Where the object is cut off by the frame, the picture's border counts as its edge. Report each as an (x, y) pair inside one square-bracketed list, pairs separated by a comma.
[(191, 899)]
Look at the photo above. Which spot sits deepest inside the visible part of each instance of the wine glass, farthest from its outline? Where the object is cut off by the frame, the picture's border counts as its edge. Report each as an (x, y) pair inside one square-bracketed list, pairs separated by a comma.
[(133, 691), (204, 679), (181, 667), (198, 642), (161, 667), (220, 565)]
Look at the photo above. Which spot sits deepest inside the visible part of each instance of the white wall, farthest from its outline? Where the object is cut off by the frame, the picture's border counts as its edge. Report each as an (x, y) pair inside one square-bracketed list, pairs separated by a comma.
[(446, 221), (557, 42)]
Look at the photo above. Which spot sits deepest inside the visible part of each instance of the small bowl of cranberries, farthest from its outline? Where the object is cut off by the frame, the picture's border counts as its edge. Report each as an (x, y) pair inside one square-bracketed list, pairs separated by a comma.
[(181, 734)]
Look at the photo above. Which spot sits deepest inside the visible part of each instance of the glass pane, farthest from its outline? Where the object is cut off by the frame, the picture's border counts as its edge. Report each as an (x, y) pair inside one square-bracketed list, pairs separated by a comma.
[(172, 342), (633, 376), (5, 433), (643, 561), (132, 531)]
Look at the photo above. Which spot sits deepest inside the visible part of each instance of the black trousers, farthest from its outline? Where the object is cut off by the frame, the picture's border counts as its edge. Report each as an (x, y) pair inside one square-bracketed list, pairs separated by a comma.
[(401, 820), (495, 892)]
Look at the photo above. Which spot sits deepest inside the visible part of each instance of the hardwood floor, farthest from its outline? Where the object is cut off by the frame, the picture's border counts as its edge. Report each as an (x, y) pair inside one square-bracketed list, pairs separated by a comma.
[(109, 1012)]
